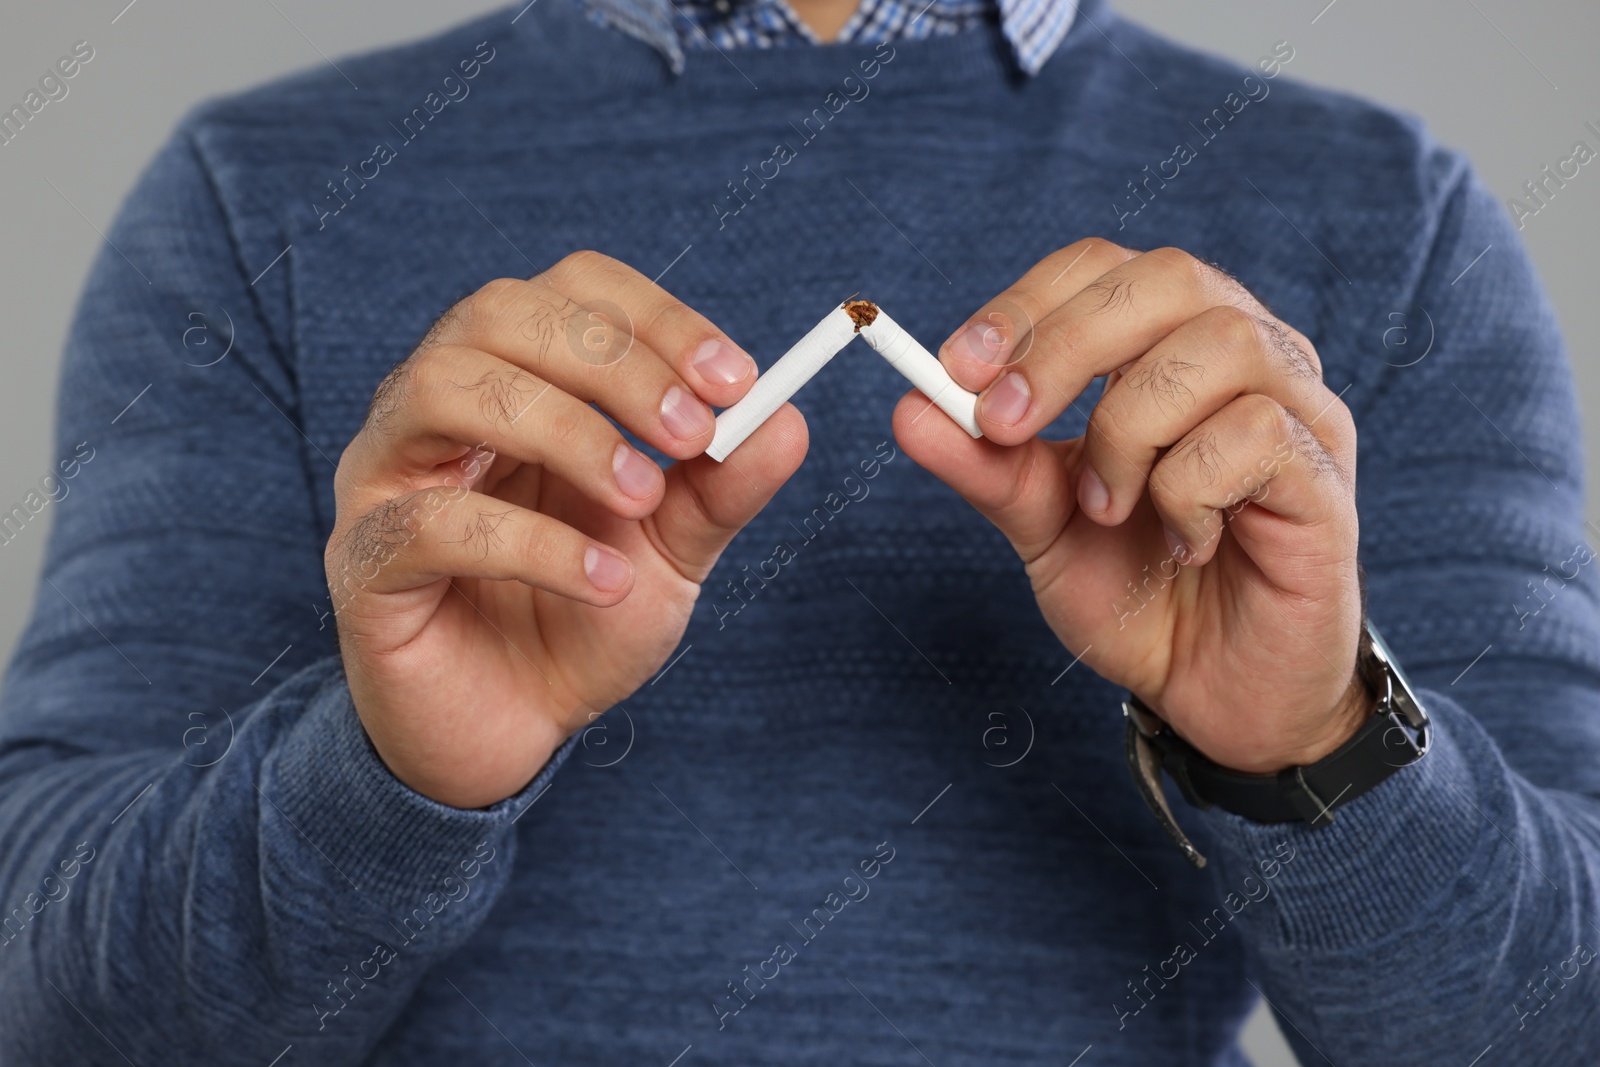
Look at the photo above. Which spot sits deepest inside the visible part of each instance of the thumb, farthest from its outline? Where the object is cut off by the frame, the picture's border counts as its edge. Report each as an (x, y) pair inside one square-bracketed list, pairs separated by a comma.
[(1027, 490), (707, 503)]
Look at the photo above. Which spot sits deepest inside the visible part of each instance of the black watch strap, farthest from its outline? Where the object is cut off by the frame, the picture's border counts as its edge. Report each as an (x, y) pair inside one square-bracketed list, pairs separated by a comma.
[(1395, 736)]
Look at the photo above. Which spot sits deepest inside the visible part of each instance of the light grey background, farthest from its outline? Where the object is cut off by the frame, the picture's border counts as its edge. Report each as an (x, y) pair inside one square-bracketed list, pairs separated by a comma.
[(1511, 83)]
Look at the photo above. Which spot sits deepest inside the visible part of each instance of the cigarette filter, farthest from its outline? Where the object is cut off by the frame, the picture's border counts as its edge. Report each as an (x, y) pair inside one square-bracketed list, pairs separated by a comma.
[(921, 368), (781, 381)]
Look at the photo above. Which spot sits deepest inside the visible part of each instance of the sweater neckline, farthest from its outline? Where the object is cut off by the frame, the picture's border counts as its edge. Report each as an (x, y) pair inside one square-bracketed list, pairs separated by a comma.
[(596, 58)]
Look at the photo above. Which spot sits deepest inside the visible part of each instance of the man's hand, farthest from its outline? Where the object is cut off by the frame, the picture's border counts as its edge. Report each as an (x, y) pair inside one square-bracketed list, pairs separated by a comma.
[(1198, 544), (504, 566)]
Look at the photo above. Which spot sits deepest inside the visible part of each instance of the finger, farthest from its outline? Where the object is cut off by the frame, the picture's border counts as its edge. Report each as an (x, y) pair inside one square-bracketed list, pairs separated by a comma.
[(706, 502), (451, 532), (1000, 333), (719, 371), (1256, 468), (1115, 319), (601, 332), (451, 396), (1025, 490), (584, 353), (1191, 374)]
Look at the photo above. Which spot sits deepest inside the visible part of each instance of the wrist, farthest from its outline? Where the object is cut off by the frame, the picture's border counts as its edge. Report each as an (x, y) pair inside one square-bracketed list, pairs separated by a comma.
[(1391, 732), (1354, 708), (478, 771)]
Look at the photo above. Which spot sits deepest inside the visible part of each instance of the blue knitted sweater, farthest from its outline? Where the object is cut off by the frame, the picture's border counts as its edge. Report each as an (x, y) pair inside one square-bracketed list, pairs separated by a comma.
[(871, 813)]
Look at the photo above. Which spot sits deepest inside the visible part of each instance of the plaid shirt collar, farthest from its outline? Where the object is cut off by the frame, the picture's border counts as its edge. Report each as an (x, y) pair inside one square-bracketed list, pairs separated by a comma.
[(1033, 27)]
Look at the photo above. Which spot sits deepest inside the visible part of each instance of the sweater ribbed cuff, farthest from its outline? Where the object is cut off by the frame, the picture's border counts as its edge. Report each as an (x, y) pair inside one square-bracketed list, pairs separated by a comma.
[(381, 835), (1389, 858)]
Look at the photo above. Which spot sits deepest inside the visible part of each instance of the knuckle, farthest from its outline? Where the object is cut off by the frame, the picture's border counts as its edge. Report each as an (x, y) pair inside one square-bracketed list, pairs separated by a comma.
[(1201, 457), (481, 531), (1027, 479), (1293, 350), (598, 333), (1091, 256), (424, 507), (1231, 329), (1166, 378), (1096, 247), (1347, 451), (473, 313), (494, 296), (1309, 448), (343, 478), (1177, 262), (704, 510), (668, 313), (576, 265), (392, 393), (1227, 289), (1011, 316), (494, 302), (539, 546), (426, 369), (1266, 420), (1105, 424), (380, 535), (1059, 339), (1106, 255), (544, 322), (427, 377), (503, 395), (1110, 293), (1340, 420), (1097, 253), (1166, 486), (564, 428)]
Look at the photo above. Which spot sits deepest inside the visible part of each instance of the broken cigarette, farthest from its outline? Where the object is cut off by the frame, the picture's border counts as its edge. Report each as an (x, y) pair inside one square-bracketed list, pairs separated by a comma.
[(781, 381), (921, 367), (813, 351)]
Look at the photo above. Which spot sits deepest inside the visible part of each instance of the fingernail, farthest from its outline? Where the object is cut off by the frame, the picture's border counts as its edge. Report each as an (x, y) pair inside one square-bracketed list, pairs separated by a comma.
[(1007, 401), (607, 571), (980, 342), (685, 417), (1093, 496), (719, 362), (1175, 545), (635, 474)]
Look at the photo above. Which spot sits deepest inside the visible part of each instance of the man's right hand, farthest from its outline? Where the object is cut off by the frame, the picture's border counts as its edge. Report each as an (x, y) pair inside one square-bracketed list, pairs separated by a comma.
[(503, 565)]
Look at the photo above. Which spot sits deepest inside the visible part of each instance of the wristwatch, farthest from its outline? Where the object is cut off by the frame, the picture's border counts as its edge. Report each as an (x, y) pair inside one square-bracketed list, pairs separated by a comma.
[(1396, 736)]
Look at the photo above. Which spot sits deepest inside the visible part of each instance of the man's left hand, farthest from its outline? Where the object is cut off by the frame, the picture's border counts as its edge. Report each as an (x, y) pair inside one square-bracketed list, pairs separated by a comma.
[(1198, 544)]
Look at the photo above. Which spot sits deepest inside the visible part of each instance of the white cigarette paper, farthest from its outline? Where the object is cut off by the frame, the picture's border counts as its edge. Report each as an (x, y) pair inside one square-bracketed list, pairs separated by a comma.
[(923, 370), (781, 381), (813, 351)]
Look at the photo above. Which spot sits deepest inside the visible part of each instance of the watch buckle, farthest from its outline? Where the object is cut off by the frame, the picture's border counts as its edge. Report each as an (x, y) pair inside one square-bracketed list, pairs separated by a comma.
[(1145, 761)]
